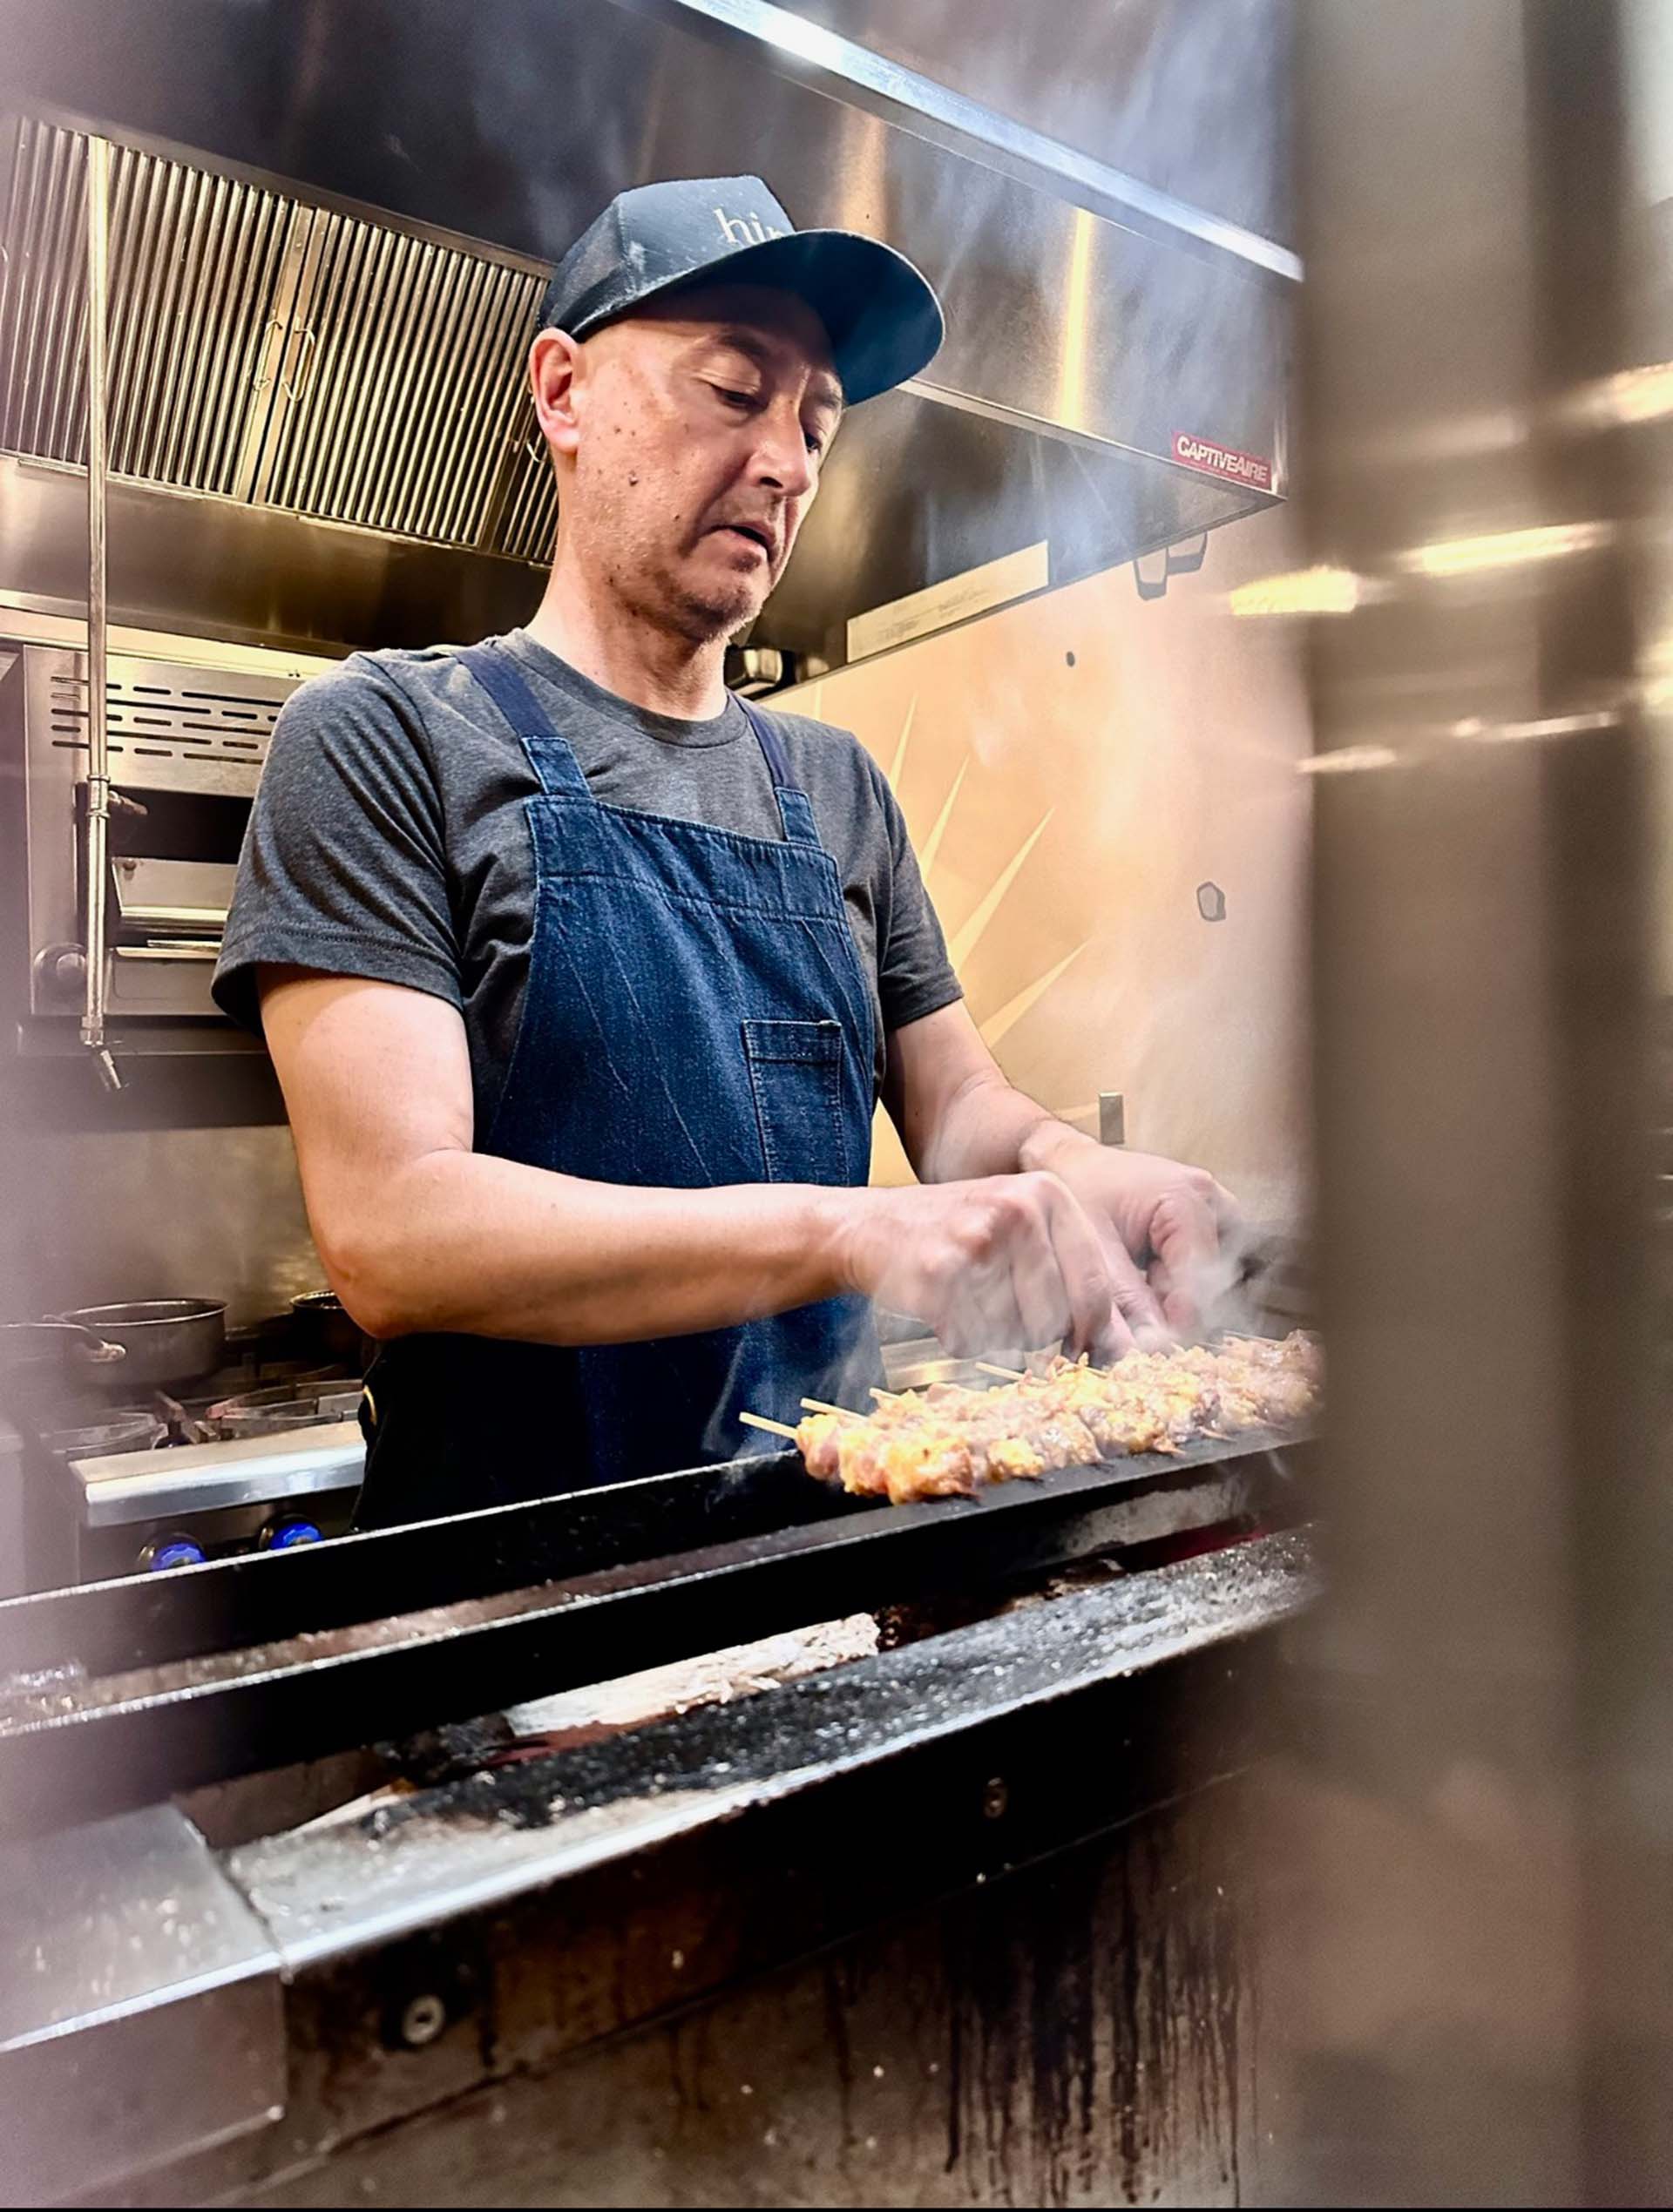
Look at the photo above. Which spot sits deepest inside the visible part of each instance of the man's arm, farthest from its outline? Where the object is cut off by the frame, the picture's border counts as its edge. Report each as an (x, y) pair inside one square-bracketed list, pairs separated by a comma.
[(418, 1232), (958, 1116)]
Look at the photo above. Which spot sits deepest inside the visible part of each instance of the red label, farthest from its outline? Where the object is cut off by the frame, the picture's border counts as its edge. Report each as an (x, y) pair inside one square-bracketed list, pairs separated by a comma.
[(1223, 461)]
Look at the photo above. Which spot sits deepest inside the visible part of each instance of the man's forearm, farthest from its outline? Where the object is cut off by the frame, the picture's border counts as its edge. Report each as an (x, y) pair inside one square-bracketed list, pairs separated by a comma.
[(991, 1128), (465, 1242)]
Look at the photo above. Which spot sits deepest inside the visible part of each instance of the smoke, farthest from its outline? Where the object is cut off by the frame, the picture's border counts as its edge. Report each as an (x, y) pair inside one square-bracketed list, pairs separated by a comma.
[(1221, 1286)]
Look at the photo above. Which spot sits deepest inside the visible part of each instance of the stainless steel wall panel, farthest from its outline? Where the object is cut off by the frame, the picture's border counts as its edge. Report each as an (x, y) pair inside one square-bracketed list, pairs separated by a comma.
[(254, 575), (1162, 91)]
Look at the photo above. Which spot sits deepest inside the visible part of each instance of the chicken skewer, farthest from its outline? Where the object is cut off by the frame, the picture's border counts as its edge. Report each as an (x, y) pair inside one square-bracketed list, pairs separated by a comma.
[(946, 1441)]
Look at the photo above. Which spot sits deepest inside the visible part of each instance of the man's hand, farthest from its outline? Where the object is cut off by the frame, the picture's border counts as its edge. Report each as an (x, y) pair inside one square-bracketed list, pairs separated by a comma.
[(1007, 1262), (1166, 1225), (1161, 1227)]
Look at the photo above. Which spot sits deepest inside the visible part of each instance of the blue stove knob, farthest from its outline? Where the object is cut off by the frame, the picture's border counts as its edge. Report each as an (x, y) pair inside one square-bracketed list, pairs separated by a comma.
[(288, 1534), (172, 1551)]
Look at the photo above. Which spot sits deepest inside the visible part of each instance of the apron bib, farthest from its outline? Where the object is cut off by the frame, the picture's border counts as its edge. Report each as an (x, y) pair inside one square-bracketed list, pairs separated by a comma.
[(696, 1015)]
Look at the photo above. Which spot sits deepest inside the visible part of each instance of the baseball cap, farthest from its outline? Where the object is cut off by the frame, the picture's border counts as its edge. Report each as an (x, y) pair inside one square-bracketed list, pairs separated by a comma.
[(880, 313)]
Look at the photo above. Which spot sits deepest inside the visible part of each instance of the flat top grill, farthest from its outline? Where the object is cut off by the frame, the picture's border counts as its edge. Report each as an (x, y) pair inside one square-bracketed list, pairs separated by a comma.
[(122, 1693)]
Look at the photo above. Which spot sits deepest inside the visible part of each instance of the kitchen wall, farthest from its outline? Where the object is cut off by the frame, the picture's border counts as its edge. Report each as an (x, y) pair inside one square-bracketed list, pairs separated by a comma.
[(185, 1186), (164, 1213), (1082, 775)]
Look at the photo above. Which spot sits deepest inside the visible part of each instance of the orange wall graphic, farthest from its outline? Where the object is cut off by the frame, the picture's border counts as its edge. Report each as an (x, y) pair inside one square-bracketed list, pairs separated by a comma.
[(1090, 778)]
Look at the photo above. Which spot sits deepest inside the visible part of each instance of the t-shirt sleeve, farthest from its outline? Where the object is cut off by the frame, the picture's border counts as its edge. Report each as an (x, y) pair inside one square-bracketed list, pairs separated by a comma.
[(915, 977), (344, 863)]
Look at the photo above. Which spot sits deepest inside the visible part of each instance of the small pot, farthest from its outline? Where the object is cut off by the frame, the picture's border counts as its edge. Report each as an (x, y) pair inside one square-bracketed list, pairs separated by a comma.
[(328, 1332), (166, 1340)]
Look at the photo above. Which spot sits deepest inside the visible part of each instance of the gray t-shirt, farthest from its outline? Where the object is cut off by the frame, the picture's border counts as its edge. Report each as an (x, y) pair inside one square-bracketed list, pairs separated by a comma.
[(388, 837)]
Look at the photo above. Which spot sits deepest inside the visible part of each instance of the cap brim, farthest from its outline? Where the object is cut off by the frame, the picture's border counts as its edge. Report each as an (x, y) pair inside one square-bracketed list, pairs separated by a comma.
[(880, 313)]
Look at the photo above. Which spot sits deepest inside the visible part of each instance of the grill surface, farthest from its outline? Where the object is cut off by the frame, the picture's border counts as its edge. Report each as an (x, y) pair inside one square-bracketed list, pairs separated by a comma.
[(162, 1683)]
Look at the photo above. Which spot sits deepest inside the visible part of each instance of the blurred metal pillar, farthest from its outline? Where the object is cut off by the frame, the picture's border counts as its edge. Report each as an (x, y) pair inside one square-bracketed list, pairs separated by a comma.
[(1476, 1820)]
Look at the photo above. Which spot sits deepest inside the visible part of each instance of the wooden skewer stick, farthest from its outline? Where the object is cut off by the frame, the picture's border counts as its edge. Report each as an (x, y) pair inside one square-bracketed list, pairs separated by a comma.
[(1007, 1374), (825, 1405), (773, 1428), (887, 1398)]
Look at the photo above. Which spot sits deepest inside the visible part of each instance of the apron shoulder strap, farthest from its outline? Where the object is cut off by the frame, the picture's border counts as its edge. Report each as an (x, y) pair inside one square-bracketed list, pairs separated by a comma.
[(549, 753), (795, 809)]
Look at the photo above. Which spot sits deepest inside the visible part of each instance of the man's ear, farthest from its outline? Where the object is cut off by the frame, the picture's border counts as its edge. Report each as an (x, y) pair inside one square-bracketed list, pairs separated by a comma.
[(553, 360)]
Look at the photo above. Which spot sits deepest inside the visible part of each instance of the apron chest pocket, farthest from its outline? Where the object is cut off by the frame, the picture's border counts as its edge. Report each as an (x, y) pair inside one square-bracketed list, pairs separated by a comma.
[(795, 1074)]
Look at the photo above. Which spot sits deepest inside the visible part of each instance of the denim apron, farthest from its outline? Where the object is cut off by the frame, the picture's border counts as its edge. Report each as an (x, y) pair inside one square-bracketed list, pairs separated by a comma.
[(696, 1015)]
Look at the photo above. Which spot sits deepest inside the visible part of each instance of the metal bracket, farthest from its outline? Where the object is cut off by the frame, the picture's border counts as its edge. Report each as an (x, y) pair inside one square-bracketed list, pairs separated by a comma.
[(1174, 562), (295, 381)]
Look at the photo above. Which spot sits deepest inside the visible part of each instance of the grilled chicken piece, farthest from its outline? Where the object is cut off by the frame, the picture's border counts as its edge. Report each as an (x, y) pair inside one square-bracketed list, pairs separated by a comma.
[(819, 1439), (934, 1463), (1010, 1458)]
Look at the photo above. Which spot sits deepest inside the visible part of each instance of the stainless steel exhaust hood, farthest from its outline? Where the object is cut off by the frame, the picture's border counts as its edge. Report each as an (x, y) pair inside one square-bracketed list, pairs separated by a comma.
[(319, 319)]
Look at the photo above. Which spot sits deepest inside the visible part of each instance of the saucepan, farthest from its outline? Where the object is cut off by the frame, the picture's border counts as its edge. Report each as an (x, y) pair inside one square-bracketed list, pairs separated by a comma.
[(64, 1346), (328, 1332), (166, 1340)]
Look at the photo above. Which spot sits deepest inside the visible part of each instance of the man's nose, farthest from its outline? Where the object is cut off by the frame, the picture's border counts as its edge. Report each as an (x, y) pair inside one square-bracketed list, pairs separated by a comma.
[(782, 460)]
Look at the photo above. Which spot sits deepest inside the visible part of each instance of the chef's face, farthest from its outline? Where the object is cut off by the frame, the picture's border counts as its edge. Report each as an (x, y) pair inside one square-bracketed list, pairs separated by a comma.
[(687, 440)]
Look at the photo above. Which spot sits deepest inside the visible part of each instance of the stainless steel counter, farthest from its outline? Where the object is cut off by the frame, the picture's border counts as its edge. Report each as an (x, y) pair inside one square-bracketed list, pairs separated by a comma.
[(121, 1487)]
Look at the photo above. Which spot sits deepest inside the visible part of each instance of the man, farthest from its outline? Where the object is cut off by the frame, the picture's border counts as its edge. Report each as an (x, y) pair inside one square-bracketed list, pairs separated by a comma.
[(581, 976)]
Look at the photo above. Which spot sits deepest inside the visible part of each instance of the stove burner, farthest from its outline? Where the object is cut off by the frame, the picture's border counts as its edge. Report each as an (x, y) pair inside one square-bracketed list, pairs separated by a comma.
[(286, 1405), (137, 1431)]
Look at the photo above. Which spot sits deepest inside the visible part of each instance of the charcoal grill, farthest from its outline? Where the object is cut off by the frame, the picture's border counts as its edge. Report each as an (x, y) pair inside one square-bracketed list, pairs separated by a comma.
[(730, 1840)]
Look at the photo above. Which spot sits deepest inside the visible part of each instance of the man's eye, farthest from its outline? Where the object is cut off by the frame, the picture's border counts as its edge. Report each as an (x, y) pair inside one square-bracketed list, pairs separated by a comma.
[(736, 399), (816, 443)]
